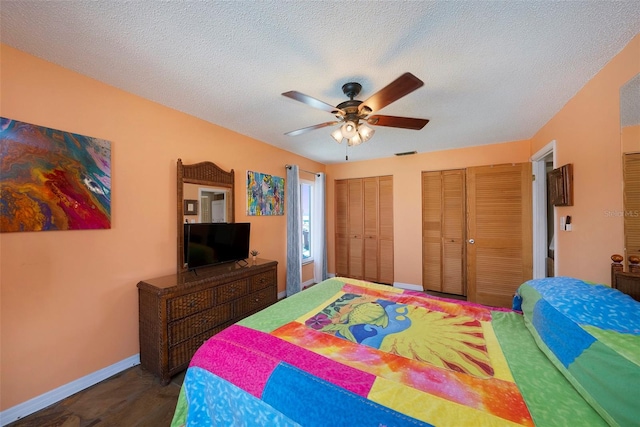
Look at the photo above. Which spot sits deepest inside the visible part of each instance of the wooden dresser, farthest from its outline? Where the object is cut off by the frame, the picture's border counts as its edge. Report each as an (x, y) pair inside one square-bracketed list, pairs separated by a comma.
[(180, 311), (627, 282)]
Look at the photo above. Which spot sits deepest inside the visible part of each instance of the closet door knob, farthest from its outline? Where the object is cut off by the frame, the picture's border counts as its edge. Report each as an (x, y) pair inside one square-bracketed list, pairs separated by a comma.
[(472, 241)]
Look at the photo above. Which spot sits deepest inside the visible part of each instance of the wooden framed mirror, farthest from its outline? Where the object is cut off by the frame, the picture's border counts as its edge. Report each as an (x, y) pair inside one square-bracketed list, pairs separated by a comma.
[(205, 194), (630, 143)]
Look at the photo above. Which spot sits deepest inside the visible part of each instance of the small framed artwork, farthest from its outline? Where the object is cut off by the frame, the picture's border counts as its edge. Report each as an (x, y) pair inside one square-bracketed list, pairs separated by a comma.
[(191, 207), (560, 182)]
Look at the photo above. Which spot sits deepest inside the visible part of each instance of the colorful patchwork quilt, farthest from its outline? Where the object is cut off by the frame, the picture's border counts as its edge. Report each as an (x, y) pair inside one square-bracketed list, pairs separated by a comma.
[(591, 333), (351, 353)]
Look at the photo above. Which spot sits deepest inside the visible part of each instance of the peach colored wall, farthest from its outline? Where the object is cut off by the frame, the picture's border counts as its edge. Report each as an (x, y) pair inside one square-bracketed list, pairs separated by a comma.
[(69, 303), (407, 194), (630, 139), (587, 134), (307, 272)]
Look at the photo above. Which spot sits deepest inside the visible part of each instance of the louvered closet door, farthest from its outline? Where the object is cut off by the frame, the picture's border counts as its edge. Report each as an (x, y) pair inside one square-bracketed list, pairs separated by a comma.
[(342, 232), (632, 204), (355, 227), (370, 194), (431, 231), (385, 230), (499, 222), (453, 232)]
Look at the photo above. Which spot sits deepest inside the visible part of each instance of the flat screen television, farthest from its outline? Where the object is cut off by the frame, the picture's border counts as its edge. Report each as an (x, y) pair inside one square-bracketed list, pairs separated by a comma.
[(215, 243)]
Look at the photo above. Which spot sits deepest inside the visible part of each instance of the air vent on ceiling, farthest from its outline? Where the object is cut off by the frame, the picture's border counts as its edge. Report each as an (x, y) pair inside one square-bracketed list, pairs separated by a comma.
[(406, 153)]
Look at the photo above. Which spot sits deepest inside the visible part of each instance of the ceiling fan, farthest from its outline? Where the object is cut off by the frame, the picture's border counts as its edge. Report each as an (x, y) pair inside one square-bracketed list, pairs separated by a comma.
[(354, 115)]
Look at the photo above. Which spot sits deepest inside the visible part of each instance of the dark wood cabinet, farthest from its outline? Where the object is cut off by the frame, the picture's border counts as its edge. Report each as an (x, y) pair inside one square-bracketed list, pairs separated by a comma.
[(180, 311), (628, 283)]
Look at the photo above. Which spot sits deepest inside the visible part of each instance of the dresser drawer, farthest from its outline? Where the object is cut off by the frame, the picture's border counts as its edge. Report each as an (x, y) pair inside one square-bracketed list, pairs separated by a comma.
[(231, 290), (256, 300), (262, 280), (184, 329), (180, 311), (189, 304), (180, 355)]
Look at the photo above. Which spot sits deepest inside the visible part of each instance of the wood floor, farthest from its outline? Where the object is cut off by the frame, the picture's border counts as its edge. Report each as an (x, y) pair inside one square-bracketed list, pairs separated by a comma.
[(132, 398)]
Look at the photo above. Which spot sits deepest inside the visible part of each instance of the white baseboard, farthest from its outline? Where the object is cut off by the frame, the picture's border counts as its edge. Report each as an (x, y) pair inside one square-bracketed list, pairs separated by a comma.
[(408, 286), (49, 398)]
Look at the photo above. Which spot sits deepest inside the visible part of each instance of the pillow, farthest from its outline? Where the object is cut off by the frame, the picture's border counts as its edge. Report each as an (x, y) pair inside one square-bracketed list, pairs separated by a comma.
[(591, 333)]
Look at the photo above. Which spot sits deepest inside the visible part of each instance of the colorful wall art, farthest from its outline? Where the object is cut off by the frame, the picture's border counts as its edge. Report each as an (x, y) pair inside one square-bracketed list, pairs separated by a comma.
[(52, 180), (265, 194)]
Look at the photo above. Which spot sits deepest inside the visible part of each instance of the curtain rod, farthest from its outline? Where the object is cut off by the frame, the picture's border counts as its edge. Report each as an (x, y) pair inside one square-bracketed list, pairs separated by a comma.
[(302, 170)]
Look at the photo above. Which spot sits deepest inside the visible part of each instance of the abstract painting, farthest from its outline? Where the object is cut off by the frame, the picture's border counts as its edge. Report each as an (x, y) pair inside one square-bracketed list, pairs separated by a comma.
[(265, 194), (52, 180)]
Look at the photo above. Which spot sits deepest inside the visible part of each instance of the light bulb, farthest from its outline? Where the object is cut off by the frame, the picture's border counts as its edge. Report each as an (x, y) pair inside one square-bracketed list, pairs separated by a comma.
[(349, 129)]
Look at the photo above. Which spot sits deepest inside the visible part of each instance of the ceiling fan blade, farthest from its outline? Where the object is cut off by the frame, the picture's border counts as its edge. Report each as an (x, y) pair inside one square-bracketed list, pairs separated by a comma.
[(398, 122), (312, 102), (310, 128), (403, 85)]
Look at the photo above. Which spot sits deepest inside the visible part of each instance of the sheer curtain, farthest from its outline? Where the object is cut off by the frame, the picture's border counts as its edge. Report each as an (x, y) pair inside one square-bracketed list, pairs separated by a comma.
[(294, 232), (319, 232)]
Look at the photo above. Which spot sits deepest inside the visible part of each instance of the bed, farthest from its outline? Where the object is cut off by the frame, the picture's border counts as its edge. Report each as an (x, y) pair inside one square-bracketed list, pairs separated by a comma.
[(351, 353)]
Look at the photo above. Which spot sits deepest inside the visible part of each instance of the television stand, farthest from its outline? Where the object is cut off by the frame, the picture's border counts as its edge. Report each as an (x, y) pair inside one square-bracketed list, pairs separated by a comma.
[(181, 311)]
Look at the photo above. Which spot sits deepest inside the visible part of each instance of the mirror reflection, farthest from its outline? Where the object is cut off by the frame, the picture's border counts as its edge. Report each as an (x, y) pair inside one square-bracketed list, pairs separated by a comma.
[(630, 115), (211, 203), (630, 144)]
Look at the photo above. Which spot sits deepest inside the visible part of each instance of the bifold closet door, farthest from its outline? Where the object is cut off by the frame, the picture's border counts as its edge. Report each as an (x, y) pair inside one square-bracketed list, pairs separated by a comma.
[(364, 228), (443, 231), (432, 231), (499, 232), (355, 228), (342, 232), (632, 204), (370, 243), (385, 230), (453, 232)]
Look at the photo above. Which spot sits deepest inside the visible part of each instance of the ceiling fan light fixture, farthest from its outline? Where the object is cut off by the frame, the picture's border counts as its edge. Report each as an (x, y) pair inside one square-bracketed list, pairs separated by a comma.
[(355, 140), (349, 129), (337, 135), (365, 132)]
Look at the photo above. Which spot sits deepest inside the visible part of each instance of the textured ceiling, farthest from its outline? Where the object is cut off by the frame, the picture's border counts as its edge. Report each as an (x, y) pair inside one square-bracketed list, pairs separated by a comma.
[(493, 71)]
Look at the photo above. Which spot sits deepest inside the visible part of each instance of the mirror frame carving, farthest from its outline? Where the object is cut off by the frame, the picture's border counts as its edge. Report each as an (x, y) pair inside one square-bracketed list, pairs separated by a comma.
[(203, 173)]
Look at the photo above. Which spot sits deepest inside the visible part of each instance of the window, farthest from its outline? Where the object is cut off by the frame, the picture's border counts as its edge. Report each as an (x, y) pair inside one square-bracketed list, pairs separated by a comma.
[(306, 196)]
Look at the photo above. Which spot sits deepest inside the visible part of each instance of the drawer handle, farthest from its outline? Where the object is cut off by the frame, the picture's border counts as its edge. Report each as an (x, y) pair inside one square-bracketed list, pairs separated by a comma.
[(191, 303), (262, 280), (257, 299)]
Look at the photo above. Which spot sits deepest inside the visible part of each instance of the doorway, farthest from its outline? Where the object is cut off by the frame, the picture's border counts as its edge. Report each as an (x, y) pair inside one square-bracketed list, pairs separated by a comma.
[(212, 206), (545, 254)]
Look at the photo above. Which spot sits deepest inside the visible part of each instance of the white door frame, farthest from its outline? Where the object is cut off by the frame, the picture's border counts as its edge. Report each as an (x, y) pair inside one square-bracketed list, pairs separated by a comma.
[(540, 212)]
